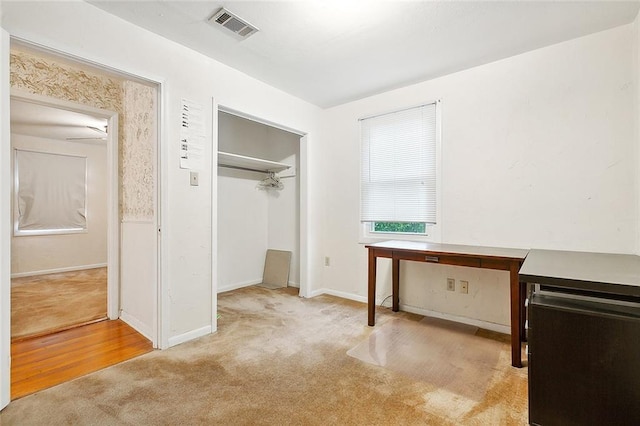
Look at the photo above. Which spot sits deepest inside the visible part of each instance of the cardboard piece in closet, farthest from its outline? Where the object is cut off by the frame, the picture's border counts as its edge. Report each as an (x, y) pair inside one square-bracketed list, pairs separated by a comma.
[(276, 269)]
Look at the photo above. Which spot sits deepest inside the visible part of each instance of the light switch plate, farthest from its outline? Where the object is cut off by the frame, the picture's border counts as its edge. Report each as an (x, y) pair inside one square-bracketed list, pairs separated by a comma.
[(193, 178)]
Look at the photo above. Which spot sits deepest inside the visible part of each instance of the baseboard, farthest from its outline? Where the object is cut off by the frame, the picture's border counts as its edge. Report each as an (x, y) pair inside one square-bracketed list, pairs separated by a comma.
[(341, 294), (137, 325), (500, 328), (238, 285), (249, 284), (58, 270), (190, 335)]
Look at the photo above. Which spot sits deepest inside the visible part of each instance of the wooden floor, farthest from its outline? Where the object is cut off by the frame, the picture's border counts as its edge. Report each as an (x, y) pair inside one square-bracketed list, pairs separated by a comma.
[(46, 361)]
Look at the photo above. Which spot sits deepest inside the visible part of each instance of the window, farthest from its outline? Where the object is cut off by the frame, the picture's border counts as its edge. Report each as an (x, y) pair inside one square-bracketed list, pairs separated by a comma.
[(399, 227), (50, 193), (399, 171)]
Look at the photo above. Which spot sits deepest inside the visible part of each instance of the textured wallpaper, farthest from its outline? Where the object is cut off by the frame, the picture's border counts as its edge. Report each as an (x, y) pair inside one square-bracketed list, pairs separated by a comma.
[(45, 77), (137, 154), (136, 107)]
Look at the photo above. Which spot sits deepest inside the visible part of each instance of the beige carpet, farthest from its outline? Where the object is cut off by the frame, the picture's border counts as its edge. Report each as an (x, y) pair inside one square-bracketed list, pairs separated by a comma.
[(45, 303), (276, 359), (434, 351)]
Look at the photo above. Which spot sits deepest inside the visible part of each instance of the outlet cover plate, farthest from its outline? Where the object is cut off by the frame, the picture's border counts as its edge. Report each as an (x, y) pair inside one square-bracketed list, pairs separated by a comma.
[(451, 284)]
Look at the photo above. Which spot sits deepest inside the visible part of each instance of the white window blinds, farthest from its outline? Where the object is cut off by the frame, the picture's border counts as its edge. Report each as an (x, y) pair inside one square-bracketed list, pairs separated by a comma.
[(398, 181), (51, 192)]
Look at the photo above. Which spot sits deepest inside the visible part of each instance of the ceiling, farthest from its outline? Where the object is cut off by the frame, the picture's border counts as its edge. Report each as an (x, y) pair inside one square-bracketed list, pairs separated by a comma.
[(334, 51), (48, 122)]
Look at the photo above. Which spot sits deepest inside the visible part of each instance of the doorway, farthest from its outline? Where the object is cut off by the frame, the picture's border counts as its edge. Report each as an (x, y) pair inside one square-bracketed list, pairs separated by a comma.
[(261, 176), (133, 247), (133, 237), (64, 216)]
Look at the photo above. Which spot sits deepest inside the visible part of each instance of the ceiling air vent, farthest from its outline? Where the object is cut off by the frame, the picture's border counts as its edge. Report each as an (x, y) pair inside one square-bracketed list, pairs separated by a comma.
[(240, 28)]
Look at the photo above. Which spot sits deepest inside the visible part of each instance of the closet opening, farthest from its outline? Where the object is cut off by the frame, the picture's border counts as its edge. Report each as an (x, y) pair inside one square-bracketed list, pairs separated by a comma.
[(258, 209)]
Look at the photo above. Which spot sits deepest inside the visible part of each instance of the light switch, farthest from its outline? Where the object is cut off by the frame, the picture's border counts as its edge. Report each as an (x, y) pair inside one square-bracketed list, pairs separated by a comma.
[(193, 178)]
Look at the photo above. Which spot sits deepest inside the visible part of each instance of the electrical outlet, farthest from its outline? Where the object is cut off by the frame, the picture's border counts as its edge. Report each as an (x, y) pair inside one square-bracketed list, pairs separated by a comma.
[(451, 284), (327, 261), (464, 287)]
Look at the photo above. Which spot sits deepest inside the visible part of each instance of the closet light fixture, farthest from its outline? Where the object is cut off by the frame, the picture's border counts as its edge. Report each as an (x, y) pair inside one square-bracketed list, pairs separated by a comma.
[(236, 26)]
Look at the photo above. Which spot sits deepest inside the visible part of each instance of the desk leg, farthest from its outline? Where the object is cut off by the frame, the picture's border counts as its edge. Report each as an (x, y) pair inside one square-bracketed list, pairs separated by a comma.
[(523, 311), (516, 338), (371, 297), (395, 282)]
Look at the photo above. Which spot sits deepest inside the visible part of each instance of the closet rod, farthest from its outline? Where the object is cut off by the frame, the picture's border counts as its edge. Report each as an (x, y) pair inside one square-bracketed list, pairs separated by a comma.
[(248, 169)]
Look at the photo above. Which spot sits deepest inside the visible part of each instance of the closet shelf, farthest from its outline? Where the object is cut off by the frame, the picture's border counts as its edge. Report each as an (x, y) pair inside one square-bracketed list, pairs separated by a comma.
[(242, 162)]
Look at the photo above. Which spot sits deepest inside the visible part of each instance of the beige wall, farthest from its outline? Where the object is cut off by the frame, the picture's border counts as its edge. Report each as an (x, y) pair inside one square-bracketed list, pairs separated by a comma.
[(35, 254)]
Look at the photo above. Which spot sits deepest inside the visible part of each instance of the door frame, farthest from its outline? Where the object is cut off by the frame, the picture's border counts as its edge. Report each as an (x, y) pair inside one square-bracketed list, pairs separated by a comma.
[(160, 322), (113, 213), (5, 223)]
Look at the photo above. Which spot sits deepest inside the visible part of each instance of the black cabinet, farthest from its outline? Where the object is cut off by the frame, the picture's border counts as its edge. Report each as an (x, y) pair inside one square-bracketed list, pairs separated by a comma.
[(584, 361)]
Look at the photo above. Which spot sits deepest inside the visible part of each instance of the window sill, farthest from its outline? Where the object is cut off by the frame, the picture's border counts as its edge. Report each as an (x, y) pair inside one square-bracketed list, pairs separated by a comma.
[(41, 232), (370, 239)]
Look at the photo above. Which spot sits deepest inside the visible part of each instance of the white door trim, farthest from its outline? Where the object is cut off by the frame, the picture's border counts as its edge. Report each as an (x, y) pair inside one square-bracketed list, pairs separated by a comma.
[(5, 223), (163, 301), (305, 272), (214, 215), (113, 222)]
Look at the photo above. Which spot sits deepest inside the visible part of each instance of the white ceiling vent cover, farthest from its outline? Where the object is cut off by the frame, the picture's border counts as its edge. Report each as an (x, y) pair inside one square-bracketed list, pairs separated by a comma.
[(240, 28)]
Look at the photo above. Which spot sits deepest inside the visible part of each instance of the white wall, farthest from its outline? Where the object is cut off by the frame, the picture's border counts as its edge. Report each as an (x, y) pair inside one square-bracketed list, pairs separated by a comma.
[(284, 211), (138, 272), (251, 220), (188, 265), (38, 254), (539, 151), (636, 80), (242, 229)]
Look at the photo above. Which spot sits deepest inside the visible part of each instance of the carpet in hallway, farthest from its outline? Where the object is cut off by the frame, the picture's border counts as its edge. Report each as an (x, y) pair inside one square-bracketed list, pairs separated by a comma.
[(44, 303)]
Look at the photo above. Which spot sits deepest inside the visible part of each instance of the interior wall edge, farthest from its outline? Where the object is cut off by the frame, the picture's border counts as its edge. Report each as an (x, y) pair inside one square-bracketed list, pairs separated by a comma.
[(5, 223)]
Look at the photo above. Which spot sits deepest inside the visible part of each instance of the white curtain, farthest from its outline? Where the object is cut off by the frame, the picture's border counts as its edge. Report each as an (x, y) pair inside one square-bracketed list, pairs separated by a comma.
[(51, 191)]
